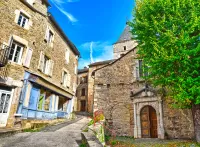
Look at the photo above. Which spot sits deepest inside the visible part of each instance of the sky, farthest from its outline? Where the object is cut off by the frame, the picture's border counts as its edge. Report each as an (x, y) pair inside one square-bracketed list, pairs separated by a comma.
[(92, 25)]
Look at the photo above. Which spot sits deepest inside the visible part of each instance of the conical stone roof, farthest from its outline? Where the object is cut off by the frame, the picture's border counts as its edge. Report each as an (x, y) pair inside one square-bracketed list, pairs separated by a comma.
[(126, 35)]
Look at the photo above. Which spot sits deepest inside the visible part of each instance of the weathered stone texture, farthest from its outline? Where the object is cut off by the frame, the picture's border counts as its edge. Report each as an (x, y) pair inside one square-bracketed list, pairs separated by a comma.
[(35, 37), (118, 48), (178, 123), (112, 87), (112, 95), (79, 90)]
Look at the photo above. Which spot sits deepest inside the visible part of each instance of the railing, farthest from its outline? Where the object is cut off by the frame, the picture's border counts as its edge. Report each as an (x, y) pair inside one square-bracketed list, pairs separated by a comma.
[(4, 53)]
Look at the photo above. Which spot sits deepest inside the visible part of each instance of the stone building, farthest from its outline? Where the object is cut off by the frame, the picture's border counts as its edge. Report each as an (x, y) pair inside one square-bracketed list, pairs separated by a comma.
[(39, 80), (132, 107), (85, 93), (82, 90)]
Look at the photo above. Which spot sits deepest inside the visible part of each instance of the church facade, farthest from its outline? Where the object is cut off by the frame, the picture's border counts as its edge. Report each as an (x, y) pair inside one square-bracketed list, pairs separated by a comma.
[(132, 107)]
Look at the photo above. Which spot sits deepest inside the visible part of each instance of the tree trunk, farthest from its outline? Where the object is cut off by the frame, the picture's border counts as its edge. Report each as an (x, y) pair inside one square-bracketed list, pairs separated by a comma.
[(196, 119)]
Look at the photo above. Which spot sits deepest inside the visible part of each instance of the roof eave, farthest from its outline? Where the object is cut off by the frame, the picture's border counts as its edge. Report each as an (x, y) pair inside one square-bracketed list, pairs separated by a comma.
[(75, 50)]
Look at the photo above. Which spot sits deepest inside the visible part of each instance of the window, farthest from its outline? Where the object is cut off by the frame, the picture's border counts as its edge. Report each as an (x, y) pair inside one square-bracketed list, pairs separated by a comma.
[(121, 55), (4, 101), (83, 79), (67, 56), (49, 36), (83, 92), (62, 104), (46, 64), (16, 52), (47, 101), (45, 67), (22, 20), (41, 99), (124, 48), (65, 78), (141, 68)]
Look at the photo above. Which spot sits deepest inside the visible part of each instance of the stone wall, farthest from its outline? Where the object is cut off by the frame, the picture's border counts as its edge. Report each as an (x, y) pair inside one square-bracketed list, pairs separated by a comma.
[(34, 37), (112, 87), (118, 48), (91, 87), (79, 90), (178, 123), (112, 95)]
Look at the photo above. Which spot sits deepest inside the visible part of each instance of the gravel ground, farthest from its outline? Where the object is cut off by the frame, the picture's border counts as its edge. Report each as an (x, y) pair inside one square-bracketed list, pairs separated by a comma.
[(67, 134)]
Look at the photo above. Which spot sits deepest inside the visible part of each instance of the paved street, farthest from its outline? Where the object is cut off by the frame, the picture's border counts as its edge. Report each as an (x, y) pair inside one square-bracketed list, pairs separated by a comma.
[(66, 136)]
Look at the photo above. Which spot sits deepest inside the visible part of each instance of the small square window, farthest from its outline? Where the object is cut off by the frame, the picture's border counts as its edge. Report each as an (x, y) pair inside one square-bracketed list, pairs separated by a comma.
[(22, 20)]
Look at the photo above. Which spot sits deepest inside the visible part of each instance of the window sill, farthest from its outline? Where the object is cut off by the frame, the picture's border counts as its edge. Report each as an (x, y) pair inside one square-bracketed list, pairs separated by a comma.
[(14, 63)]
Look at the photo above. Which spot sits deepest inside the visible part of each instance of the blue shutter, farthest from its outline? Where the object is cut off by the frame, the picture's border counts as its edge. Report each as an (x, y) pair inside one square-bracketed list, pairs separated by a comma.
[(34, 98)]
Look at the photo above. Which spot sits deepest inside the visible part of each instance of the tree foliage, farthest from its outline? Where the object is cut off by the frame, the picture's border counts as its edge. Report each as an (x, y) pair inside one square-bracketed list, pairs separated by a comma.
[(168, 34)]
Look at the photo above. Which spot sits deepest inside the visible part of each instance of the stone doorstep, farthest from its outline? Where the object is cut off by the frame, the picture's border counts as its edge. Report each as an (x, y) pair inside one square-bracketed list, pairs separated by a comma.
[(4, 132)]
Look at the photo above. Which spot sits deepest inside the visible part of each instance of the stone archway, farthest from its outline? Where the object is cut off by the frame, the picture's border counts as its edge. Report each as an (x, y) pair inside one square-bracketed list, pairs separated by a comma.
[(156, 104), (148, 122)]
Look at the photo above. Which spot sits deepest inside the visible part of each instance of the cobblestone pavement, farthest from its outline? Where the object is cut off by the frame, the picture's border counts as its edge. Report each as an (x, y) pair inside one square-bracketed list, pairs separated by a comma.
[(69, 135)]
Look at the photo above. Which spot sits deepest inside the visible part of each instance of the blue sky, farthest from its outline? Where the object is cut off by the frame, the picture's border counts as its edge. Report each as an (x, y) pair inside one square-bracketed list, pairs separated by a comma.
[(92, 25)]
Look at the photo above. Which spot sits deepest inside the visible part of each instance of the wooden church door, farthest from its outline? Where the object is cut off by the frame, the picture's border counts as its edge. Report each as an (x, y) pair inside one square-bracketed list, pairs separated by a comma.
[(148, 122)]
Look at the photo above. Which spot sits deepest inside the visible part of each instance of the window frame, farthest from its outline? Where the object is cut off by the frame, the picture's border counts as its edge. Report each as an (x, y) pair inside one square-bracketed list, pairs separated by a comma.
[(14, 53), (65, 78), (24, 16), (50, 36), (83, 92), (67, 54)]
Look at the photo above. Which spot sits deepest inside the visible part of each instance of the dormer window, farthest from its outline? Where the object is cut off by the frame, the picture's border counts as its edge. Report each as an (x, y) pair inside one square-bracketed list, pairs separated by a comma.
[(22, 20)]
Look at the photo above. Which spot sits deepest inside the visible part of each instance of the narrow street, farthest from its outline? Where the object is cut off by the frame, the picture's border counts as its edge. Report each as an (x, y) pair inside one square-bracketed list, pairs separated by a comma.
[(64, 135)]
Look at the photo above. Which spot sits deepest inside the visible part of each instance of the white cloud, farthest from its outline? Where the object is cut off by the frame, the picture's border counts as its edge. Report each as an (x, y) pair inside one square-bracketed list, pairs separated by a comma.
[(72, 1), (91, 51), (58, 4), (101, 51)]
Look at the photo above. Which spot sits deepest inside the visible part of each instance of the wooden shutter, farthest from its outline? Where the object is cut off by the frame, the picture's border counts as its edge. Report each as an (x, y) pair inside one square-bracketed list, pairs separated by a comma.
[(69, 80), (51, 64), (27, 60), (47, 34), (41, 61), (56, 103), (67, 56), (62, 78), (17, 13)]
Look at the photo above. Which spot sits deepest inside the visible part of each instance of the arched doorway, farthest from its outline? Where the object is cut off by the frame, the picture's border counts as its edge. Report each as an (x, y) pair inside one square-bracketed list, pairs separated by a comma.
[(148, 122)]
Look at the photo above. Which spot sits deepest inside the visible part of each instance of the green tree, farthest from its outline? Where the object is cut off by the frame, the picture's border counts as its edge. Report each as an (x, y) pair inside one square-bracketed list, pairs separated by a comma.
[(168, 34)]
